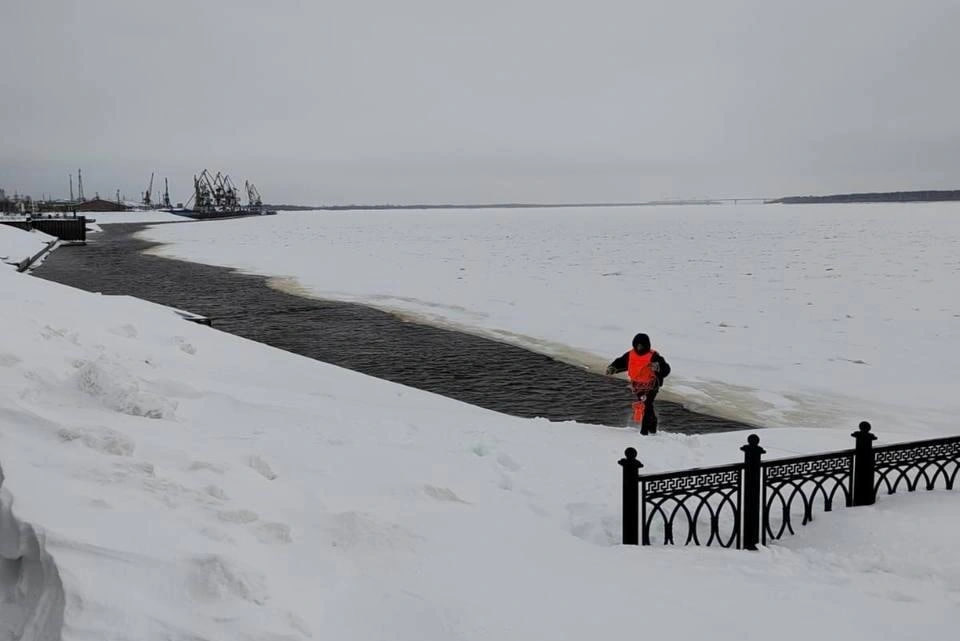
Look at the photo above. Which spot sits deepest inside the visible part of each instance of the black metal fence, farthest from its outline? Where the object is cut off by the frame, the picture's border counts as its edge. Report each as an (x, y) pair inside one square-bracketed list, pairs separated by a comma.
[(746, 504)]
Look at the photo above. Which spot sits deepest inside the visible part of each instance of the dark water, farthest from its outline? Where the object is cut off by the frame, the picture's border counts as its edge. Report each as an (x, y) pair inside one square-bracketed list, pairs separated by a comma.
[(468, 368)]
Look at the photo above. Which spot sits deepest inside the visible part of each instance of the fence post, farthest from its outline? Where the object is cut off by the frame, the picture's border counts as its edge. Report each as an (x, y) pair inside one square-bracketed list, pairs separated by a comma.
[(750, 529), (863, 462), (631, 496)]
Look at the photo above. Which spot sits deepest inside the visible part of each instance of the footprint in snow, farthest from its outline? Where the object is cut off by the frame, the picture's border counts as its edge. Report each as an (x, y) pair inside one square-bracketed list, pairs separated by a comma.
[(480, 449), (202, 466), (507, 462), (299, 625), (238, 516), (216, 492), (261, 467), (187, 348), (272, 533), (103, 440), (592, 523), (8, 360), (126, 331), (442, 494), (217, 535), (213, 578)]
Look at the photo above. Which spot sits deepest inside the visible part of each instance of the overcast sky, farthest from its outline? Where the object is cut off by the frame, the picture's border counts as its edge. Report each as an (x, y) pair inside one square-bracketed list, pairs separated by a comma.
[(331, 101)]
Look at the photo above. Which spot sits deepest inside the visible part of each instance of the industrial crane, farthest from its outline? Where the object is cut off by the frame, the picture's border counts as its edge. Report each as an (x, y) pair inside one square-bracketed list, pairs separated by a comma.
[(216, 196), (254, 202), (146, 194), (203, 190), (231, 196), (215, 193)]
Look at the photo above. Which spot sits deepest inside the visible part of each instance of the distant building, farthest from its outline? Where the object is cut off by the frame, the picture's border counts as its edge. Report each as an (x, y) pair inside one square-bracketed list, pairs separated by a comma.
[(99, 204)]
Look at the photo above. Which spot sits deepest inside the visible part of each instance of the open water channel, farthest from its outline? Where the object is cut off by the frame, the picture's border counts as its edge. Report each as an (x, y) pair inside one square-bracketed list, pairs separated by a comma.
[(469, 368)]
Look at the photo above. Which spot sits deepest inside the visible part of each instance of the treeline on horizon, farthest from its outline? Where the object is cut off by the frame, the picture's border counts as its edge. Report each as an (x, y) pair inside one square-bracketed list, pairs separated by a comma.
[(875, 197)]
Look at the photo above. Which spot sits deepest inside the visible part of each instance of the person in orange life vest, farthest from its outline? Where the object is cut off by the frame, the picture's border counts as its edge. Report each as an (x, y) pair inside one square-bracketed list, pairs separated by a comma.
[(646, 369)]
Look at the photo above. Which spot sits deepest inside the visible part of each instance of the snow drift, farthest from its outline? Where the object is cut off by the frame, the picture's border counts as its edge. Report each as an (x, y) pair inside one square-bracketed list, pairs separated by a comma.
[(31, 594)]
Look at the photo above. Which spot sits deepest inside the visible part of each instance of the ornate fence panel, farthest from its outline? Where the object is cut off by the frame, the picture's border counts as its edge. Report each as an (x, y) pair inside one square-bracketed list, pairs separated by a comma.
[(700, 506), (794, 487), (920, 465), (744, 504)]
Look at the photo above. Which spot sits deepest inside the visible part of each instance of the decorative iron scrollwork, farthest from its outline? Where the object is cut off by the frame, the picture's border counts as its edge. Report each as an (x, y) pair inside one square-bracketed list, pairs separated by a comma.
[(803, 480), (693, 482), (930, 462), (741, 504), (700, 507), (790, 469)]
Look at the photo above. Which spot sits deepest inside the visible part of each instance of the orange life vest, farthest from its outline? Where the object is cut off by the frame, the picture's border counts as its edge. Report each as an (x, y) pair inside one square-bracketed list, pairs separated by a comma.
[(638, 369)]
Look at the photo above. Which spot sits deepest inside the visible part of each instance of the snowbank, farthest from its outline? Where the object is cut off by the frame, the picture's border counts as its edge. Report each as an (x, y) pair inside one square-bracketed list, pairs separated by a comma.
[(190, 484), (31, 594), (813, 316), (19, 244)]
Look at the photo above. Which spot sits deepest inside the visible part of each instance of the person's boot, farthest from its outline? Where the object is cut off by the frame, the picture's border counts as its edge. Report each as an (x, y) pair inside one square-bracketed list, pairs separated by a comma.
[(650, 422)]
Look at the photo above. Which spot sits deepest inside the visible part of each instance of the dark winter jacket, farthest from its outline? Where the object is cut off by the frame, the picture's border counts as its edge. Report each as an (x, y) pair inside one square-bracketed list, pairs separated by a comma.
[(620, 365)]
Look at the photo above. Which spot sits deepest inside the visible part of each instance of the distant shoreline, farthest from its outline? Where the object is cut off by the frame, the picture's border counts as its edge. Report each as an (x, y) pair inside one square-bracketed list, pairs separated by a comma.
[(863, 197), (874, 197), (488, 206)]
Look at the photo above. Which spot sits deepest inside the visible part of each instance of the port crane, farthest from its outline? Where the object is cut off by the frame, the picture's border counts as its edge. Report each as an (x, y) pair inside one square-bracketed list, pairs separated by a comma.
[(215, 193), (146, 194), (254, 201)]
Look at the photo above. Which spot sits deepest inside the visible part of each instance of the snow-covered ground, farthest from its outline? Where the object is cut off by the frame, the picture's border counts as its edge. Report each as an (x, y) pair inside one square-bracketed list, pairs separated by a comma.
[(813, 316), (17, 244), (190, 484), (163, 480)]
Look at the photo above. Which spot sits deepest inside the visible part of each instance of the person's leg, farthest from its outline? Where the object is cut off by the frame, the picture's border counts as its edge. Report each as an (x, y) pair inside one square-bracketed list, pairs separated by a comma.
[(639, 408), (649, 415)]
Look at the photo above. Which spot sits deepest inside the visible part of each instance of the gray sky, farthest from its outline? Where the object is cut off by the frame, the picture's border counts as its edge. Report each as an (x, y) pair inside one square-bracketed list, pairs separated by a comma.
[(482, 101)]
